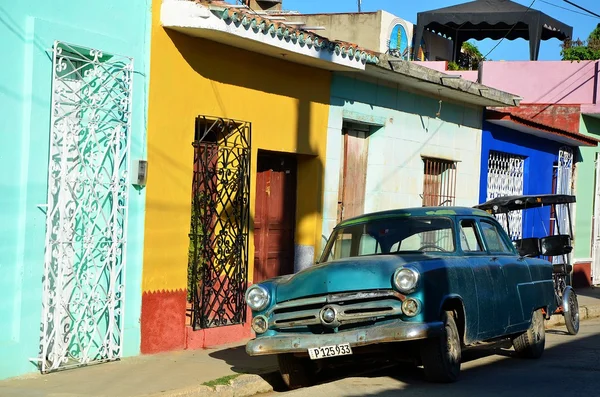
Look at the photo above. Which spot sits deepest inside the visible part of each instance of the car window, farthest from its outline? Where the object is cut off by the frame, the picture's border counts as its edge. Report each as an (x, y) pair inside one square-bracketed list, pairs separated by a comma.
[(493, 239), (368, 245), (384, 236), (343, 243), (469, 238)]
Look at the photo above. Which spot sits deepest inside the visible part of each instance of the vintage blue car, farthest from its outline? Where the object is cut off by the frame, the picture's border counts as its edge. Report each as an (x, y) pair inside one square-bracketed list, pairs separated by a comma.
[(425, 283)]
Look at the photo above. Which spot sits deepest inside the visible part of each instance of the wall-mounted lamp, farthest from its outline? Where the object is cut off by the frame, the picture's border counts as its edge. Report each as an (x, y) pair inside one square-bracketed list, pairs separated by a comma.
[(139, 174)]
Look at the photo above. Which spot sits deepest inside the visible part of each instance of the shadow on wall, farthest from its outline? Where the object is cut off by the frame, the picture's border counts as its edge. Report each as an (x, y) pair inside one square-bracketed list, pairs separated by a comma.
[(266, 74)]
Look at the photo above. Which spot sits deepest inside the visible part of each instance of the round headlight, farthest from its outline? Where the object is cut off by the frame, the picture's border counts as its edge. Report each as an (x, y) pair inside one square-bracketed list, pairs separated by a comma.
[(257, 297), (406, 279), (260, 325), (411, 307)]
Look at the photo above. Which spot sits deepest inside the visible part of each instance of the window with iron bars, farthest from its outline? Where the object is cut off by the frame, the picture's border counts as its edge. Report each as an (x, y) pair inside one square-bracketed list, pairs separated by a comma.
[(439, 182)]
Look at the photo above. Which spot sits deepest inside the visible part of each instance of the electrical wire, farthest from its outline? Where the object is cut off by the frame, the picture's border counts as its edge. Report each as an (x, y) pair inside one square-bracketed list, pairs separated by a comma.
[(568, 9), (581, 8)]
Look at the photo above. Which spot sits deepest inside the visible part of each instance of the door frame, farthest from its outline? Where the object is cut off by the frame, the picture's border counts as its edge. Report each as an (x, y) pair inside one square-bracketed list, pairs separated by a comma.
[(596, 226)]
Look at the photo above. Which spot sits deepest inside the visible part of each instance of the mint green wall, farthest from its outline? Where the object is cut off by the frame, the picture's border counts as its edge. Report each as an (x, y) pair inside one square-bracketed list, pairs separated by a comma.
[(27, 32), (585, 191), (404, 127)]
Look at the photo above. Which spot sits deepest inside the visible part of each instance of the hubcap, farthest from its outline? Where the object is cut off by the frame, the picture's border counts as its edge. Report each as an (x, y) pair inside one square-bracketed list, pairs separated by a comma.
[(452, 344), (574, 309), (537, 328)]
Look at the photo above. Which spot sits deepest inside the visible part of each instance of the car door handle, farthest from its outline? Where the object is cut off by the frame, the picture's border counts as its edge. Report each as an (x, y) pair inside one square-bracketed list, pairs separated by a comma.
[(494, 258)]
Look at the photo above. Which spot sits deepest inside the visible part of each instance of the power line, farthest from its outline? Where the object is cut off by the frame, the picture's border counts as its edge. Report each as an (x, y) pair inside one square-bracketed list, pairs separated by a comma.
[(568, 9), (581, 8), (511, 29)]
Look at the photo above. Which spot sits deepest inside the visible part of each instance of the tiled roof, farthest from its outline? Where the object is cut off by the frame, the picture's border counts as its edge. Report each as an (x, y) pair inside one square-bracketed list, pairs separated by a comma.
[(261, 24), (512, 114)]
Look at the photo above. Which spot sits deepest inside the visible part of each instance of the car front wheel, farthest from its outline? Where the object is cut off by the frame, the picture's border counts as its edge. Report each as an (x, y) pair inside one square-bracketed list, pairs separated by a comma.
[(295, 371), (441, 356), (531, 343)]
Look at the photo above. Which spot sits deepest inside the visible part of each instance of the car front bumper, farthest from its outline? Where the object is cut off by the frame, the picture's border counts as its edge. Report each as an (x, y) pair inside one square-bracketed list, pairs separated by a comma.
[(396, 331)]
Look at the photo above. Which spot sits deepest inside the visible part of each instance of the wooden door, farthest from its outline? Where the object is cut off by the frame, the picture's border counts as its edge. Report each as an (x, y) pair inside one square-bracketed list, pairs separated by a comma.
[(274, 223), (353, 176)]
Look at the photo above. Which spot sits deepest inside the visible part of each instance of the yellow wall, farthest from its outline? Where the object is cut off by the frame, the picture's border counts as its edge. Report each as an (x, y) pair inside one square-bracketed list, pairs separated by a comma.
[(287, 105)]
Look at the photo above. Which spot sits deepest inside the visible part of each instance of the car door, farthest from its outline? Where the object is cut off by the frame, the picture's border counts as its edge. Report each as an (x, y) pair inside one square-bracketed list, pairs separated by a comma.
[(516, 273), (490, 287), (497, 248)]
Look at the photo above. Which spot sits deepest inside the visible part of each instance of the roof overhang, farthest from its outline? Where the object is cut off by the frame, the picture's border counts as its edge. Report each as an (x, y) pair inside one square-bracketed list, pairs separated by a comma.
[(591, 110), (530, 127), (420, 79), (268, 38)]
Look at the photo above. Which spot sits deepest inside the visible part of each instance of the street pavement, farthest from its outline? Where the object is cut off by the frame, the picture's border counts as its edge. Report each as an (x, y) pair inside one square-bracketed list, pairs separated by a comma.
[(570, 366)]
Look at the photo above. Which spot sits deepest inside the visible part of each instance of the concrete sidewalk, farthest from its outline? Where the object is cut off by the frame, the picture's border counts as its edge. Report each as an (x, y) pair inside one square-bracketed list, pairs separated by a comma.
[(166, 374), (179, 374)]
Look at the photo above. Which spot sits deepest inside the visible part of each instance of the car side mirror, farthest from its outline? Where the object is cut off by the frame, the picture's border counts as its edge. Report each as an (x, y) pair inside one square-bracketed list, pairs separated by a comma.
[(529, 247), (556, 245)]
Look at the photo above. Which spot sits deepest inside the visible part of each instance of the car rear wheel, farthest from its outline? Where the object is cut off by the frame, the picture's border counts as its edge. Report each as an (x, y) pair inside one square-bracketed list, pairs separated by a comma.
[(295, 371), (531, 343), (441, 356)]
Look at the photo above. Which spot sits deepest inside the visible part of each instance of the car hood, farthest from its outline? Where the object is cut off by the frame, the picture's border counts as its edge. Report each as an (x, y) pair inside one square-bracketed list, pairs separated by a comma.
[(352, 274)]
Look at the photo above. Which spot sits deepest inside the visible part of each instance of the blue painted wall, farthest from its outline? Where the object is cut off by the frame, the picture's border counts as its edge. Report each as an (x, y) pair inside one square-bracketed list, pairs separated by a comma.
[(28, 30), (540, 155)]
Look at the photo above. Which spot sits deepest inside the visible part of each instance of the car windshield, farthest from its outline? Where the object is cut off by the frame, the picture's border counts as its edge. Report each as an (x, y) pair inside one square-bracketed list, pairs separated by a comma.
[(396, 235)]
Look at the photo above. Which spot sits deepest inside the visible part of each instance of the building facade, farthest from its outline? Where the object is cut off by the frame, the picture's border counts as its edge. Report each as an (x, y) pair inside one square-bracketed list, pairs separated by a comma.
[(552, 141), (238, 112), (380, 31), (393, 143), (74, 109)]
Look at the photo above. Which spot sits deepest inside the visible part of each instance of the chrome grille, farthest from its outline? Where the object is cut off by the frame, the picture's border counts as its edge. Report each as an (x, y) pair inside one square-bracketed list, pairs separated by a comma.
[(351, 308)]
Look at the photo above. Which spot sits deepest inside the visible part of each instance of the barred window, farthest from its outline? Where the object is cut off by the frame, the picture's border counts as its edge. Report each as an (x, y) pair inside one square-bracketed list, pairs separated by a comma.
[(439, 182)]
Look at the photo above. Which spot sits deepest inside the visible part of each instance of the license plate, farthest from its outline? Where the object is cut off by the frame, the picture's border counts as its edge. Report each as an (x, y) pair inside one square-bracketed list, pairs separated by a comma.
[(317, 353)]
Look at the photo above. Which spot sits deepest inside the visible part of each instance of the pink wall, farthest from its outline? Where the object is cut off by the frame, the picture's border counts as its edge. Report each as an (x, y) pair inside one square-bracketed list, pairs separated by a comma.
[(548, 82), (440, 66)]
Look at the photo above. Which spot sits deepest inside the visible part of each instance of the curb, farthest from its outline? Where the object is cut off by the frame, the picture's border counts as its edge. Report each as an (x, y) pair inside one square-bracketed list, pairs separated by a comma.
[(241, 386), (585, 312)]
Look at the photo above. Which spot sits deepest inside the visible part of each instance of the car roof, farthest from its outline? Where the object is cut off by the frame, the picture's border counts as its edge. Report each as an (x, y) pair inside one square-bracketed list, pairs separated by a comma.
[(416, 211)]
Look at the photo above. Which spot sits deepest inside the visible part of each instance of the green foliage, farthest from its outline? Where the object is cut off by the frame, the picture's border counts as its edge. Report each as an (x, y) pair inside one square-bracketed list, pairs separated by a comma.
[(222, 381), (471, 50), (469, 58), (195, 250), (453, 66), (595, 35), (578, 50)]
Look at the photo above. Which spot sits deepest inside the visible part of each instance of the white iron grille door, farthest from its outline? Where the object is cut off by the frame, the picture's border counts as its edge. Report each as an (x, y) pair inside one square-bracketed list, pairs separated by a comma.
[(505, 178), (564, 180), (84, 267)]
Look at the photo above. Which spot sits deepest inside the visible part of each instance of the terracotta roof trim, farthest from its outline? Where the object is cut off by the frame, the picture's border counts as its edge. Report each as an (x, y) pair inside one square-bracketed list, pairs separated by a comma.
[(259, 24), (497, 115)]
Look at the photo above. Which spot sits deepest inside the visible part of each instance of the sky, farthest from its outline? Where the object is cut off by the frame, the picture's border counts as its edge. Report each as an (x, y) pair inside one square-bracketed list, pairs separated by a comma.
[(507, 50)]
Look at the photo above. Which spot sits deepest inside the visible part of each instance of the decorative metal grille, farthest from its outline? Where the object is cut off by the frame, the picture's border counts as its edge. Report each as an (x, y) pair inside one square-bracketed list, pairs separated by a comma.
[(564, 183), (84, 266), (439, 183), (505, 178), (218, 256)]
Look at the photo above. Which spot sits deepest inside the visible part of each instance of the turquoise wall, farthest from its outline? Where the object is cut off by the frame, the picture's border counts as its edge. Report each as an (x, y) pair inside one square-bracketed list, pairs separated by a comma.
[(403, 129), (28, 30), (585, 183)]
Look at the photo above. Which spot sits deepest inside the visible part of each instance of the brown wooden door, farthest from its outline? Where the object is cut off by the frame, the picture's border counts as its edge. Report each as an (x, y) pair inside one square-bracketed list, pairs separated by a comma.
[(353, 176), (274, 223)]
